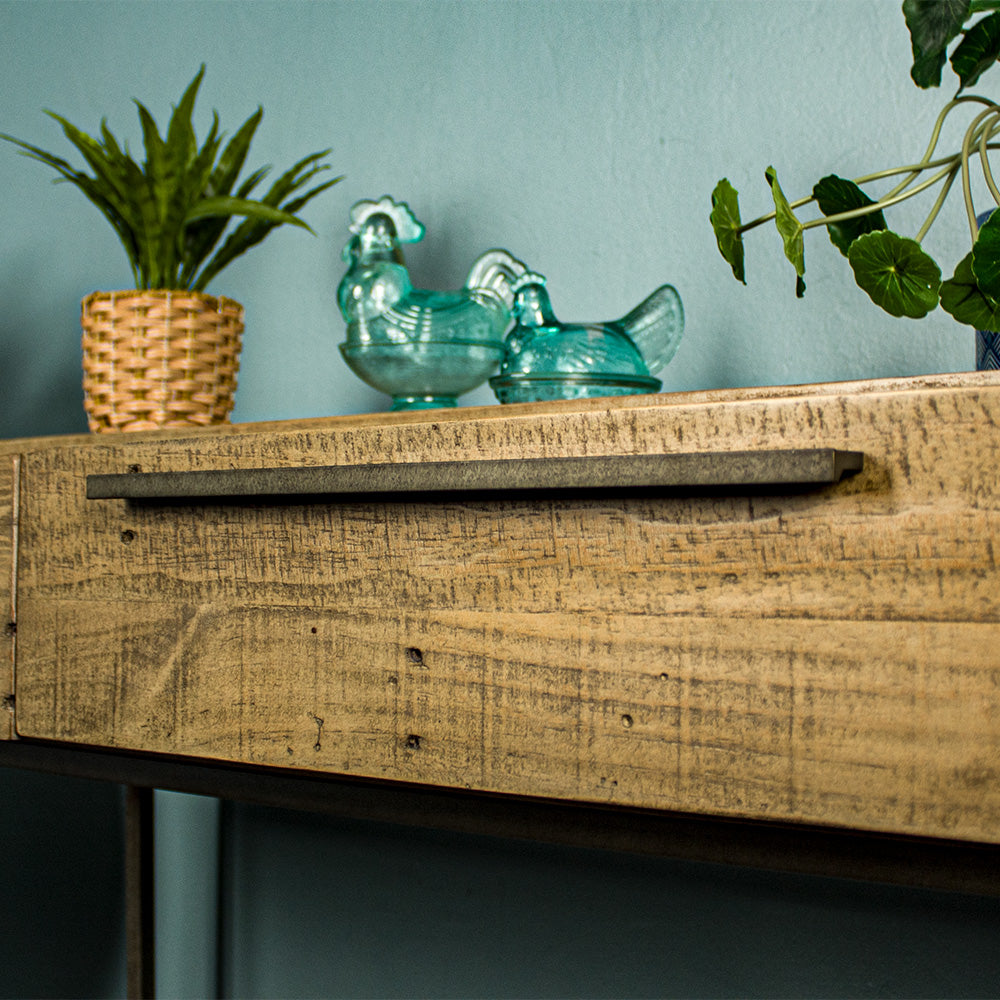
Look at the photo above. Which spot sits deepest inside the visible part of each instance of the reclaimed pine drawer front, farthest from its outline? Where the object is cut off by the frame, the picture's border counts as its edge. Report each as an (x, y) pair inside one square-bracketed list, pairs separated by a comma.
[(825, 656), (9, 476)]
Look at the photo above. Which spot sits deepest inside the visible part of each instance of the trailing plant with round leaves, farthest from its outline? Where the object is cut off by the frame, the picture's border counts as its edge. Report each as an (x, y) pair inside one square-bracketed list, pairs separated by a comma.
[(171, 211), (896, 272)]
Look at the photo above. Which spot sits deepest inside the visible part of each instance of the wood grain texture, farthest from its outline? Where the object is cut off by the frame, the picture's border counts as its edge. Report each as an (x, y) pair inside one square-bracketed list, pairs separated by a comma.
[(9, 467), (825, 657)]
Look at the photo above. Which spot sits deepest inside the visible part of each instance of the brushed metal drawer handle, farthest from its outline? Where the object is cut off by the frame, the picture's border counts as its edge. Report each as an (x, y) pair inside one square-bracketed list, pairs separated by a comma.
[(798, 468)]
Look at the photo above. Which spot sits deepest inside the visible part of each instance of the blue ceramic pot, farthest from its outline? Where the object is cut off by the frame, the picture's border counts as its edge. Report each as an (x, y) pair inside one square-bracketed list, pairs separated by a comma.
[(987, 342), (987, 350)]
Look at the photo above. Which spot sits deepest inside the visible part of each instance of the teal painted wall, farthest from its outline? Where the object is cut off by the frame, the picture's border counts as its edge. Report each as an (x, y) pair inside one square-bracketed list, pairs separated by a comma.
[(586, 137), (319, 908)]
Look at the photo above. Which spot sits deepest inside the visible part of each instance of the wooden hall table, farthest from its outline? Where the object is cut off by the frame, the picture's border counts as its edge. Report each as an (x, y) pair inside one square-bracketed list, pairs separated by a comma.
[(754, 626)]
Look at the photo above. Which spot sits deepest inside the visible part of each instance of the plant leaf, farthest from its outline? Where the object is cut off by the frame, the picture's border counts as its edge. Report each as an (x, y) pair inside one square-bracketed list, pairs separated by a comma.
[(112, 188), (217, 179), (896, 273), (147, 227), (249, 183), (161, 176), (978, 50), (91, 189), (123, 184), (228, 206), (249, 233), (234, 156), (192, 242), (725, 219), (253, 229), (986, 257), (962, 297), (790, 229), (109, 171), (170, 211), (180, 131), (933, 24), (296, 204), (835, 195), (260, 220), (152, 141), (293, 178)]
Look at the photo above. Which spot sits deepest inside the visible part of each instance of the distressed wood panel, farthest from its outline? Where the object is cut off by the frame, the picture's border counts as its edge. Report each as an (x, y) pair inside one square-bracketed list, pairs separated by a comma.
[(861, 724), (9, 465), (822, 657), (912, 537)]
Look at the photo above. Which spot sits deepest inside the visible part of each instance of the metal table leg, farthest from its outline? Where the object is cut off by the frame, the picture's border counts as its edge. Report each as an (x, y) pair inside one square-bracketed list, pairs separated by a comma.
[(139, 887)]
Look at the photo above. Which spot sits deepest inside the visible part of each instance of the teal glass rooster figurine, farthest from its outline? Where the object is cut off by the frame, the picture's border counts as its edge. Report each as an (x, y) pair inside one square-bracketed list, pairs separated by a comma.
[(424, 348), (547, 359)]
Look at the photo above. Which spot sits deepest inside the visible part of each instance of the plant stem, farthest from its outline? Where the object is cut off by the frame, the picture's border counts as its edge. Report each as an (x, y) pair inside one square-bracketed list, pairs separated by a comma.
[(857, 213), (953, 158), (984, 162), (935, 137), (951, 163), (978, 132), (945, 188), (970, 135)]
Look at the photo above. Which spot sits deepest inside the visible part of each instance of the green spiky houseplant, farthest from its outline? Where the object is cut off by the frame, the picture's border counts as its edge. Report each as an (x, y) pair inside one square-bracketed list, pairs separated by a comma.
[(895, 271), (166, 353)]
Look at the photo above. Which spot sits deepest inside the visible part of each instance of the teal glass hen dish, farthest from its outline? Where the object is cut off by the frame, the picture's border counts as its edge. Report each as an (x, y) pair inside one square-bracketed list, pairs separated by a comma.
[(547, 359), (423, 348)]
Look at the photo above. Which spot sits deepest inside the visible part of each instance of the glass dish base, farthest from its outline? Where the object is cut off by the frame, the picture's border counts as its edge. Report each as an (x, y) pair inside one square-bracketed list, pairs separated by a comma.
[(423, 374), (555, 385), (422, 402)]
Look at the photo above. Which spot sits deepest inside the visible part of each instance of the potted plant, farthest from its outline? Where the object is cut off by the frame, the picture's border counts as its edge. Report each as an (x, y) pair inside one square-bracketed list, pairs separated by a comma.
[(895, 271), (166, 353)]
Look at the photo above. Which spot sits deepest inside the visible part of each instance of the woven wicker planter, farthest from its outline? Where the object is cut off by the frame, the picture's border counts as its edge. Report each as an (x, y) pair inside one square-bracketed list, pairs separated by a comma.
[(156, 359)]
